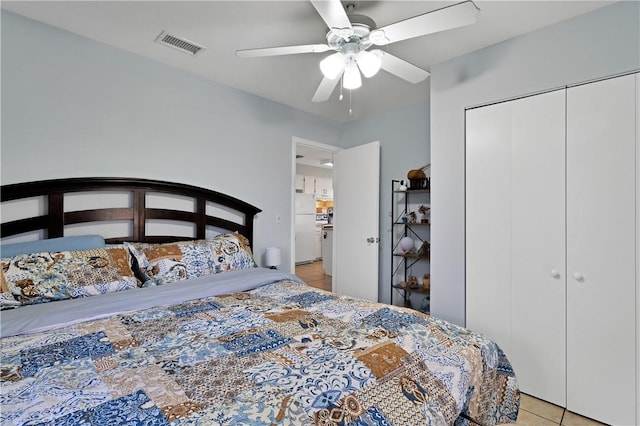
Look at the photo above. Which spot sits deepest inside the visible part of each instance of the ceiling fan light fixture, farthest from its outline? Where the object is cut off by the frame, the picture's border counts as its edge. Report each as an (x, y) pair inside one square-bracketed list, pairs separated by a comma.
[(350, 35), (351, 78), (333, 65), (368, 63)]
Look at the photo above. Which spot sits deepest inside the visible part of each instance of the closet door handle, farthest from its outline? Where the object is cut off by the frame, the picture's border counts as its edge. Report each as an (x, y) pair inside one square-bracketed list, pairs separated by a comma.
[(555, 274), (578, 277)]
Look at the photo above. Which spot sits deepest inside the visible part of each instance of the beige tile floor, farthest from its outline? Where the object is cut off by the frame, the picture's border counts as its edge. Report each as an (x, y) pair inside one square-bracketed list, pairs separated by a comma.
[(533, 411), (536, 412)]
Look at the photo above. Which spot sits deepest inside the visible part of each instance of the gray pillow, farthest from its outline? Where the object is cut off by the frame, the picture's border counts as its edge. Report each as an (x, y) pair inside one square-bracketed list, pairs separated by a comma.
[(80, 242)]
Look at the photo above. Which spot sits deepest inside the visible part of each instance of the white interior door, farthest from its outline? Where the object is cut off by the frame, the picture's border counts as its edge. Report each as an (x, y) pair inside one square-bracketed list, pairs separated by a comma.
[(637, 244), (355, 221), (601, 252), (538, 304), (515, 236), (488, 211)]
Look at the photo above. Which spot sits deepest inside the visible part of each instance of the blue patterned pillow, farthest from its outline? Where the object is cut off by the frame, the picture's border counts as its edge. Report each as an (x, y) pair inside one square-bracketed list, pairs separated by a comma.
[(47, 276), (166, 263), (231, 252)]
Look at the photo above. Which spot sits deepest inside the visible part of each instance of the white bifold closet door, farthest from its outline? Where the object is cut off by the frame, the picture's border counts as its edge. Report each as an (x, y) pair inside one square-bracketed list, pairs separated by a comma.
[(551, 242), (515, 236), (601, 252)]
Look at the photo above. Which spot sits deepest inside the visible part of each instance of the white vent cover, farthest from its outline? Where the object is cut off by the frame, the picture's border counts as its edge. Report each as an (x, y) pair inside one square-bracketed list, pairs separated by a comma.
[(182, 44)]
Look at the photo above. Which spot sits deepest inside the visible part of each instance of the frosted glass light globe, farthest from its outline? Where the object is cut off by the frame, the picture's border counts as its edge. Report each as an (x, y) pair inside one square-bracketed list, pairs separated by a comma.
[(333, 65), (406, 243), (351, 78), (368, 63)]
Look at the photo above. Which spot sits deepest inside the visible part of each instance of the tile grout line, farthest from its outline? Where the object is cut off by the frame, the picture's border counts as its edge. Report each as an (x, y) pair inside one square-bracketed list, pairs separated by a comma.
[(542, 417)]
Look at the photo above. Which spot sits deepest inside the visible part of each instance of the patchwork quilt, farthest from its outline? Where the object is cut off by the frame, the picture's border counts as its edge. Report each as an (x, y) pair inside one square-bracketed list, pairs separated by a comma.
[(281, 354)]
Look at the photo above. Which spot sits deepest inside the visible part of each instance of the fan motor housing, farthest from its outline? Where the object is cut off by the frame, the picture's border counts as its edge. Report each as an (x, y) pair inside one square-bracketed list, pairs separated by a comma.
[(362, 26)]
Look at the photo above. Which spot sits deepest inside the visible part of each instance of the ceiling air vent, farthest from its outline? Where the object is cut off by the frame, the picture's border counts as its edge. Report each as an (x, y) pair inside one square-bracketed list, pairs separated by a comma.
[(179, 43)]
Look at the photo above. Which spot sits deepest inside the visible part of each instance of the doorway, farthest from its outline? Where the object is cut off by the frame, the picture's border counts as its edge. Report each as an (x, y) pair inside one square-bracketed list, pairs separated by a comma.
[(356, 174), (313, 172)]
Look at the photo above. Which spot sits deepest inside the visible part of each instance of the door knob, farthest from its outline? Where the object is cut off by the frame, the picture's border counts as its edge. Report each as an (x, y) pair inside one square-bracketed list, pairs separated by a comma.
[(578, 277), (555, 273)]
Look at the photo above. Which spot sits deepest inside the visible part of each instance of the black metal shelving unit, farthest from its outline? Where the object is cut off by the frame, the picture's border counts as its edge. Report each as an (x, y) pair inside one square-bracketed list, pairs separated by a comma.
[(402, 262)]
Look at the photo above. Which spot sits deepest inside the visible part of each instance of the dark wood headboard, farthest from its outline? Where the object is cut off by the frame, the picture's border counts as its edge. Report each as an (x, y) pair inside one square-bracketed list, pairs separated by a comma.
[(53, 222)]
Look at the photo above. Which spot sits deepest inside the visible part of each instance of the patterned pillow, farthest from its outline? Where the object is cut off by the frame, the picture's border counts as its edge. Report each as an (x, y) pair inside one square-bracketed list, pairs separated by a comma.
[(232, 252), (47, 276), (166, 263), (7, 301)]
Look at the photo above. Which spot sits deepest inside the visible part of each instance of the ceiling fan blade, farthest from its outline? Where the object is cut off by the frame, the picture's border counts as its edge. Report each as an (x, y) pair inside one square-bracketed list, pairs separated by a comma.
[(284, 50), (401, 68), (334, 15), (325, 89), (454, 16)]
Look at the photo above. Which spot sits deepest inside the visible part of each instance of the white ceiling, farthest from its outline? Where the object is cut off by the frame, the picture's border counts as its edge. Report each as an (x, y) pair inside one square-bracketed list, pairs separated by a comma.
[(225, 26)]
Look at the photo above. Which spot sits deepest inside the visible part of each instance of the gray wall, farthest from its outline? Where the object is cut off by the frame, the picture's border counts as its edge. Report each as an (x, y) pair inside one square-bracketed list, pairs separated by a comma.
[(73, 107), (600, 43)]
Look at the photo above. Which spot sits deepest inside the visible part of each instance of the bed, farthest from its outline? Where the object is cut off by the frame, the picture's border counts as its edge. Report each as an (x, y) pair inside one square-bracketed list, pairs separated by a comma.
[(149, 328)]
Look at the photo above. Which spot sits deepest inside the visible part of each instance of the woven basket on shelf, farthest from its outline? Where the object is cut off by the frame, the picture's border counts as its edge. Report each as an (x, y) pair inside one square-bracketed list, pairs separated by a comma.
[(417, 179)]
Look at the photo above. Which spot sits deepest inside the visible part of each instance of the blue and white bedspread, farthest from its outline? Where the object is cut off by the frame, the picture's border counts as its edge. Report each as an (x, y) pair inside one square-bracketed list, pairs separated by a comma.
[(281, 353)]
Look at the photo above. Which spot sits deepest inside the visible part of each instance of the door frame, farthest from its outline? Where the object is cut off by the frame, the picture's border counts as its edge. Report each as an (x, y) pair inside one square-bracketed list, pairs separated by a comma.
[(295, 141)]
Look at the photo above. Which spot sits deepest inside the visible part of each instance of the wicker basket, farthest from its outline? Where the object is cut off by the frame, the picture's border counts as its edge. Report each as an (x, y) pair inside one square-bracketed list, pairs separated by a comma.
[(418, 179), (421, 183)]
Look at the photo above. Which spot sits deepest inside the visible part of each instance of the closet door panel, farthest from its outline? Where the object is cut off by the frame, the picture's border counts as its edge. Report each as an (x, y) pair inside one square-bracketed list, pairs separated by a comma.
[(538, 245), (601, 253), (488, 213), (638, 246)]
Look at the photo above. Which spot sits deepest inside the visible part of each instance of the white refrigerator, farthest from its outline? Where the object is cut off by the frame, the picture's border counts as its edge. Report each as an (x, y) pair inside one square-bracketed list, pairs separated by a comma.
[(305, 209)]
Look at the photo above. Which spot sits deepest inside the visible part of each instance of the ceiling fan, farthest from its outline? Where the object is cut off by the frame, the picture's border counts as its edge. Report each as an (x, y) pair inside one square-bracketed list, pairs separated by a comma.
[(351, 35)]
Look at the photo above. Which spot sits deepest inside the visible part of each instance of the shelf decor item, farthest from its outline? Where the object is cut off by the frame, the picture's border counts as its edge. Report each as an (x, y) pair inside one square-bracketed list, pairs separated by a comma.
[(412, 282), (424, 213), (426, 282), (425, 249), (407, 244), (418, 178)]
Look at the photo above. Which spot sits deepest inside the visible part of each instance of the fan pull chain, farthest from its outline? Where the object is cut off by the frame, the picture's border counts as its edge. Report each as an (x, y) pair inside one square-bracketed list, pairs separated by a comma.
[(350, 110), (341, 83)]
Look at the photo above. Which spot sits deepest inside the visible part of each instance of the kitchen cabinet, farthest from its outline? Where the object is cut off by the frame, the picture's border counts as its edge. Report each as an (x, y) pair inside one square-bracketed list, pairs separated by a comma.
[(324, 187), (309, 185), (551, 242), (327, 250), (321, 187), (318, 242), (300, 183), (305, 184)]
